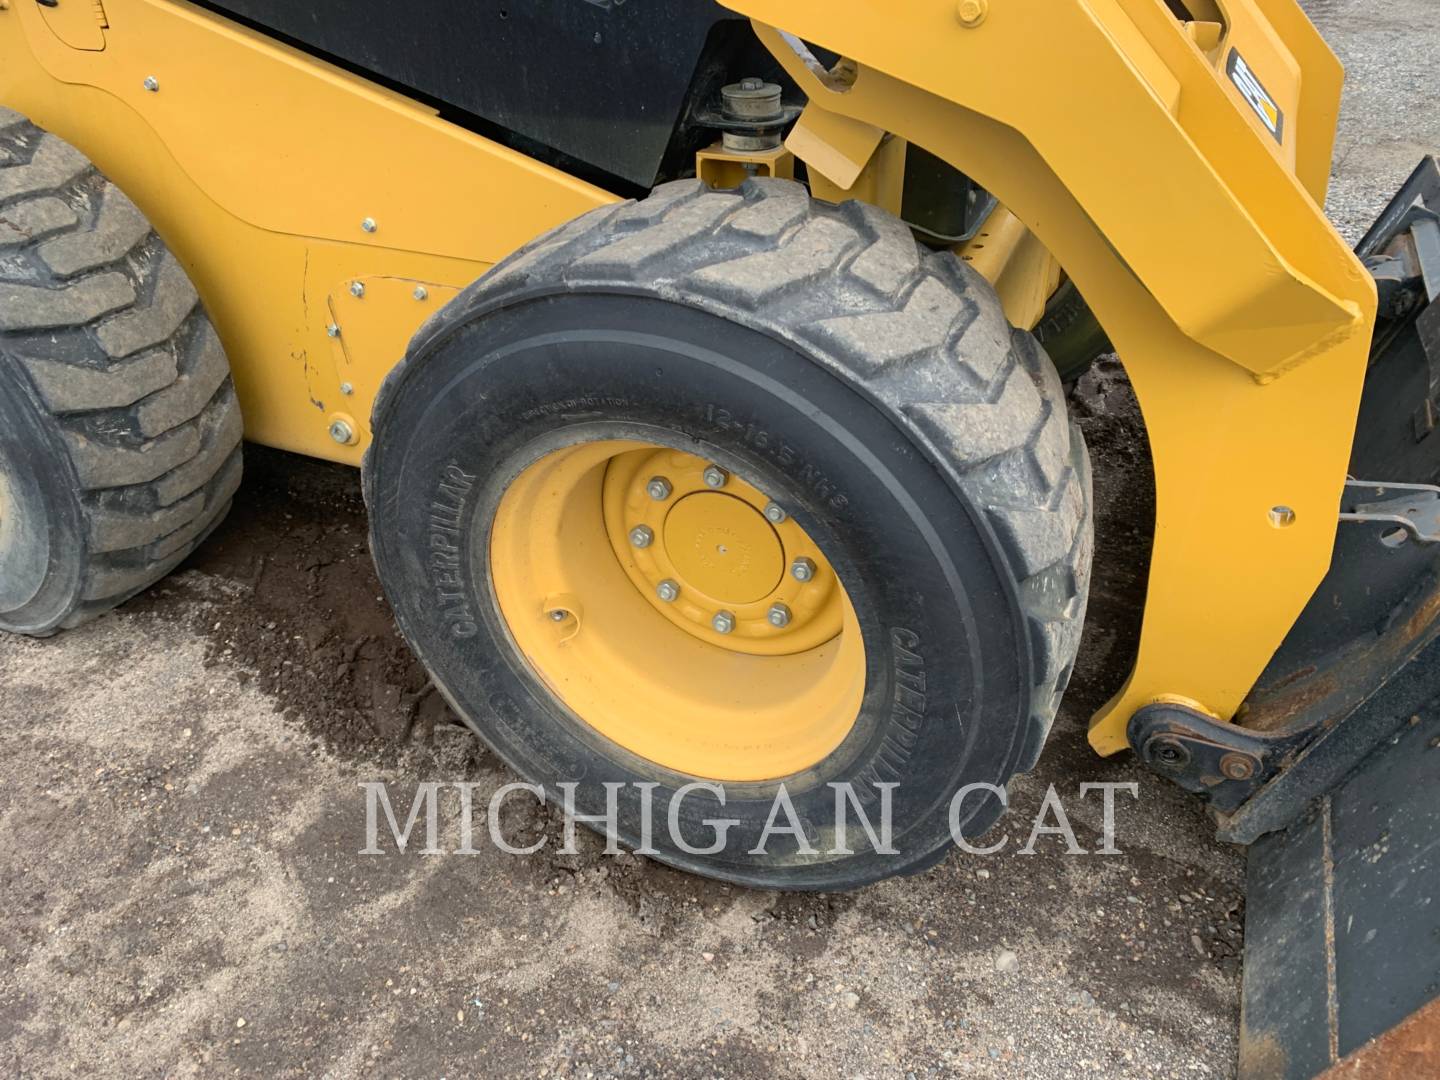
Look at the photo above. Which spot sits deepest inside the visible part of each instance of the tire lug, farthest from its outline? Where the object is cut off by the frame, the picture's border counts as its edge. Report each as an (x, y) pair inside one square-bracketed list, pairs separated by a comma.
[(715, 476), (641, 536), (668, 591), (723, 622), (775, 513), (778, 616), (803, 569), (658, 488)]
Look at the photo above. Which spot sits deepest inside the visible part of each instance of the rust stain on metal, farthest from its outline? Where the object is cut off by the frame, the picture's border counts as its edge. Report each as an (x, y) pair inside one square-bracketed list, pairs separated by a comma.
[(1332, 997), (1410, 1049), (1261, 1053), (1331, 692)]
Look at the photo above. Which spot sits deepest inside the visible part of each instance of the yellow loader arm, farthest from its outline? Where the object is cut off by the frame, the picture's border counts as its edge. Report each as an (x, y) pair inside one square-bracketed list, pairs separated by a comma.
[(1176, 170)]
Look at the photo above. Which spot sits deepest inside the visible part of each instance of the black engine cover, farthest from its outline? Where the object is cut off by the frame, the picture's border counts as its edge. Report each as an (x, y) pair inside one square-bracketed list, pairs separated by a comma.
[(606, 83)]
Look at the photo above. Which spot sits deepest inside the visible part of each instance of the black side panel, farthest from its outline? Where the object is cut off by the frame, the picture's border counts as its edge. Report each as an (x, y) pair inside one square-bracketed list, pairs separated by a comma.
[(604, 82)]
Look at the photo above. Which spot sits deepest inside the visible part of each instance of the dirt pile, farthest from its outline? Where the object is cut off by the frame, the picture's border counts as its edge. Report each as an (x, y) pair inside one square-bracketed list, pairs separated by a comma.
[(305, 612)]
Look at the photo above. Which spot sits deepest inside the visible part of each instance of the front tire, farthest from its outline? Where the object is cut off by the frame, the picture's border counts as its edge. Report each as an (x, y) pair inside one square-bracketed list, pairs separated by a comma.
[(817, 356)]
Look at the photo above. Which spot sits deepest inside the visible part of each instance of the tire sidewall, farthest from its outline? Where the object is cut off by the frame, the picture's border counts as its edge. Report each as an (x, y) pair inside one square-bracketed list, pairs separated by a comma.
[(496, 389), (43, 530)]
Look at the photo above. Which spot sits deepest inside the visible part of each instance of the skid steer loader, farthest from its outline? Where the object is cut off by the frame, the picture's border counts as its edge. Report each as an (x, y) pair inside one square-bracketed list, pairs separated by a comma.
[(705, 365)]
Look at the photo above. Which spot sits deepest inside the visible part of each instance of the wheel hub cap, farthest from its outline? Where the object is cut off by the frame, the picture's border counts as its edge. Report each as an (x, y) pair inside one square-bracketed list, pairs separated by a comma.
[(722, 547), (718, 547)]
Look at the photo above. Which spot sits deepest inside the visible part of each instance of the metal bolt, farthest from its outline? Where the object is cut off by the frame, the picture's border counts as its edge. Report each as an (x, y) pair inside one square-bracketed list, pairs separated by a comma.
[(775, 513), (559, 615), (751, 84), (658, 488), (723, 622), (715, 476), (1282, 517), (971, 13), (369, 224), (346, 389), (421, 293), (803, 569), (152, 84), (641, 535), (668, 591), (1168, 752), (333, 330), (778, 615), (341, 432), (1237, 766), (357, 289)]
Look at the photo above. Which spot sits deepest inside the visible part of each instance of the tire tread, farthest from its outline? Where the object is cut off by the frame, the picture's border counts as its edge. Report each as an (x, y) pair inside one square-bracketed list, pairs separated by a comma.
[(920, 333), (105, 327)]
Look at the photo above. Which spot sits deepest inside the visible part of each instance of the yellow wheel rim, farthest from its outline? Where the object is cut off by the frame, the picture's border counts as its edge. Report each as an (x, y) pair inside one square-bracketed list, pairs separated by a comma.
[(677, 611)]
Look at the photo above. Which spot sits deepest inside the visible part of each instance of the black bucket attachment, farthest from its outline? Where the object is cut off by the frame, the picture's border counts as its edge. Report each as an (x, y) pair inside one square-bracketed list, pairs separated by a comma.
[(1342, 925)]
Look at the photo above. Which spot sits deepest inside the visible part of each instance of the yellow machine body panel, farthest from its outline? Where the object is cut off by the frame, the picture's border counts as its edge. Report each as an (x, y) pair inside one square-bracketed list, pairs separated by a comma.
[(1173, 170), (280, 181)]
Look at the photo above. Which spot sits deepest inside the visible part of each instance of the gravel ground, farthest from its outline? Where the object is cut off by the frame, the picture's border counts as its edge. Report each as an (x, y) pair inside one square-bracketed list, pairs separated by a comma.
[(1390, 116), (179, 792)]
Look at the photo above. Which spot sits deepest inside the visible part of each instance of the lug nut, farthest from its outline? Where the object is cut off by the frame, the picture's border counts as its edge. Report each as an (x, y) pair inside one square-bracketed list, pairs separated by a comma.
[(332, 330), (368, 225), (421, 293), (775, 513), (803, 569), (723, 622), (151, 83), (341, 432), (668, 591), (778, 616), (357, 289), (559, 615), (641, 535), (715, 476), (658, 488)]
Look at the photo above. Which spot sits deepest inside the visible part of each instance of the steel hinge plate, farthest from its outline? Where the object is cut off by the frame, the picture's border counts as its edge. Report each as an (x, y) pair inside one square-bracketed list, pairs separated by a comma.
[(1413, 510)]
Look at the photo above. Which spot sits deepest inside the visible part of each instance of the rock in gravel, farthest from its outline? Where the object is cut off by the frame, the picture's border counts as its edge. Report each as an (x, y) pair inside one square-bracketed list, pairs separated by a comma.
[(1006, 960)]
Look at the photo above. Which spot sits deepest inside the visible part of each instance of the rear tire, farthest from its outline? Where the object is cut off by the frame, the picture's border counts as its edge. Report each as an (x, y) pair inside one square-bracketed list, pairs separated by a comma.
[(1070, 334), (119, 427), (875, 391)]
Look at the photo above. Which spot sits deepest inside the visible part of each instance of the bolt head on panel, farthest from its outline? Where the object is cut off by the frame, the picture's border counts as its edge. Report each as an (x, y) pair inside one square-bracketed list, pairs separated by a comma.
[(971, 13)]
